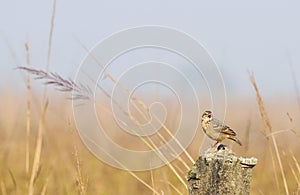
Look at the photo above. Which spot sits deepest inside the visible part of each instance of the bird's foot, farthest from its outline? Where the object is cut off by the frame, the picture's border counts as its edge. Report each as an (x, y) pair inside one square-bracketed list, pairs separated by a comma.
[(221, 147), (218, 146)]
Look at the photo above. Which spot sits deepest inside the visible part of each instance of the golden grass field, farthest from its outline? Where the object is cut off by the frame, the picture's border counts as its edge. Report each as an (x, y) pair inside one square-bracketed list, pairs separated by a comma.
[(41, 152), (67, 167)]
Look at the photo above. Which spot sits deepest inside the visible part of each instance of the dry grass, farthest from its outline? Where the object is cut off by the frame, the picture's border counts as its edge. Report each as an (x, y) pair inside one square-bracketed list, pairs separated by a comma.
[(61, 164), (83, 92), (38, 150), (28, 113), (38, 147), (60, 169), (46, 172), (81, 184), (268, 127)]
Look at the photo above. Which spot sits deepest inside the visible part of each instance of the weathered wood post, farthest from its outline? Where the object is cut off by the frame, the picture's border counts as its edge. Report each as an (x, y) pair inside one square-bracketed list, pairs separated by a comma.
[(221, 173)]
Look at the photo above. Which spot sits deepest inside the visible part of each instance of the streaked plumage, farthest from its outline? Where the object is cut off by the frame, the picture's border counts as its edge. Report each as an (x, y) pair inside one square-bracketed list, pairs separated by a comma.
[(217, 130)]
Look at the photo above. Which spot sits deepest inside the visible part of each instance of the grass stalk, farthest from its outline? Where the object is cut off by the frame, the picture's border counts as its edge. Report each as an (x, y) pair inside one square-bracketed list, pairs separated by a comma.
[(79, 179), (28, 112), (125, 168), (66, 85), (44, 188), (140, 102), (268, 127), (38, 149), (152, 180), (295, 162), (159, 134), (51, 34), (3, 188), (173, 187), (150, 144), (13, 179), (154, 148), (293, 127), (294, 172)]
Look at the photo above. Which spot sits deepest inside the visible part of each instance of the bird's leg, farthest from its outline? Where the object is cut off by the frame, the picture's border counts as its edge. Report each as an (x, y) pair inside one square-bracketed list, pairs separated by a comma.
[(215, 146)]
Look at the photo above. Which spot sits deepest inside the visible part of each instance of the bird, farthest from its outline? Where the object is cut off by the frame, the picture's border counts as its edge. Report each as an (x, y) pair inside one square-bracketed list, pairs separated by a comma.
[(217, 130)]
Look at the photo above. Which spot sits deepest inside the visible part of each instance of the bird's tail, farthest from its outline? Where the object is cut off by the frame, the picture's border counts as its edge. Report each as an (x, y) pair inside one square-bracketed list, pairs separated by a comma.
[(236, 140)]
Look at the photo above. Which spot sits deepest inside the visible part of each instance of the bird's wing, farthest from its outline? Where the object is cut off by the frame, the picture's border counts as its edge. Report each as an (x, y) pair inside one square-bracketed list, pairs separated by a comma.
[(221, 128), (228, 131)]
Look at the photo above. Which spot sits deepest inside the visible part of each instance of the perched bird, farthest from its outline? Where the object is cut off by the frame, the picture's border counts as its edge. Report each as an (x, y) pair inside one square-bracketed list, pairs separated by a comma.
[(216, 130)]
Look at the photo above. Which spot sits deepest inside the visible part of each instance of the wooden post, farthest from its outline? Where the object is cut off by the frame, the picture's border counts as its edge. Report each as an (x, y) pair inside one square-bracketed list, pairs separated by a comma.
[(221, 172)]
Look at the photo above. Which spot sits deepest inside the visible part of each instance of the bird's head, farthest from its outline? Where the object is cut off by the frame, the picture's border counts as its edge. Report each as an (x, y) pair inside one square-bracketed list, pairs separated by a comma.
[(207, 116)]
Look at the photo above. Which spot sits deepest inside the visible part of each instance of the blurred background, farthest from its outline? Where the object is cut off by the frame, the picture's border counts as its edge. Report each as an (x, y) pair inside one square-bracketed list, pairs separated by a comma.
[(258, 37)]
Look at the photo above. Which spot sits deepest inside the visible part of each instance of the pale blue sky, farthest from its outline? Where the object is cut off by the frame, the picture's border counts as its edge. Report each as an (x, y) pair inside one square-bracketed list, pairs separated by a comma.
[(257, 35)]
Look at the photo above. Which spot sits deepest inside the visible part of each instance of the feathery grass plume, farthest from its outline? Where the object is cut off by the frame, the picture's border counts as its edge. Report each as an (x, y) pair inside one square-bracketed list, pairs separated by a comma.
[(79, 180), (81, 184), (267, 125), (82, 92), (60, 84)]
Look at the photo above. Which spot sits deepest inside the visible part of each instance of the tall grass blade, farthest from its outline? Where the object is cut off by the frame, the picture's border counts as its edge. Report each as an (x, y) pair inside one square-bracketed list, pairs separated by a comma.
[(268, 127), (38, 150), (28, 112)]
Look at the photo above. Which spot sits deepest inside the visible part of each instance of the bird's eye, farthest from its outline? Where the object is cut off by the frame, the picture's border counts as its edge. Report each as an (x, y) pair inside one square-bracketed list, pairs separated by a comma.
[(209, 116)]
